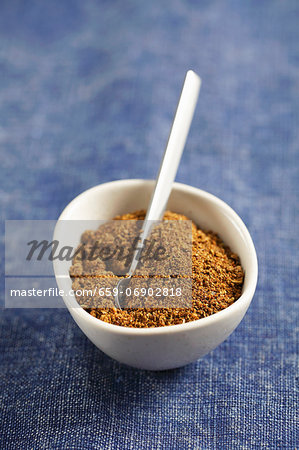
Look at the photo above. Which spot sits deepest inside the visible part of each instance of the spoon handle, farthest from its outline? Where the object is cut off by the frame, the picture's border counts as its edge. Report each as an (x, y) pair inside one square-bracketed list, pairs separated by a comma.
[(175, 146), (172, 156)]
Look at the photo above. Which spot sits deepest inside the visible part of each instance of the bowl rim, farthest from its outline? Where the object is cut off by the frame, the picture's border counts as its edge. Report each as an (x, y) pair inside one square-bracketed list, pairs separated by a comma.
[(238, 306)]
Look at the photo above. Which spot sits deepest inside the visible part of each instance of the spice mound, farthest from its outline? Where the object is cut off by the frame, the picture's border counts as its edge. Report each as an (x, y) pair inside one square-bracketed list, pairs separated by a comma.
[(216, 276)]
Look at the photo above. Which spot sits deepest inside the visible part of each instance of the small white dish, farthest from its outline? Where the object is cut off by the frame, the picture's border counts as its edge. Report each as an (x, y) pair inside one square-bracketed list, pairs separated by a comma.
[(176, 345)]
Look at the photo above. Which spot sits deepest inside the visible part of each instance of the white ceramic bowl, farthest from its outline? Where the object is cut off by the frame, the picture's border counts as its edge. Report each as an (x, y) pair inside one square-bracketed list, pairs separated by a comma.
[(172, 346)]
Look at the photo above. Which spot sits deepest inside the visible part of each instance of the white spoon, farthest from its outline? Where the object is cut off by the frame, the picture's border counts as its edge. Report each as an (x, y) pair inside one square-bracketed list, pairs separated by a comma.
[(168, 168)]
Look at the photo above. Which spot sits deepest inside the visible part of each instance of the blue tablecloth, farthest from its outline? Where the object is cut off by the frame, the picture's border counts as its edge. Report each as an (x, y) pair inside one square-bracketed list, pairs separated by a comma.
[(87, 94)]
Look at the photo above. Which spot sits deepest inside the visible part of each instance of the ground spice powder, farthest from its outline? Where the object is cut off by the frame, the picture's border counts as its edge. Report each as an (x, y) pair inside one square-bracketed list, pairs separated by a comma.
[(217, 281)]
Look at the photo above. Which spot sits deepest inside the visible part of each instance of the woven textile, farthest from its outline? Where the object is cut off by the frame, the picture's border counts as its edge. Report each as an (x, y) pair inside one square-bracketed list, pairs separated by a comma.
[(87, 94)]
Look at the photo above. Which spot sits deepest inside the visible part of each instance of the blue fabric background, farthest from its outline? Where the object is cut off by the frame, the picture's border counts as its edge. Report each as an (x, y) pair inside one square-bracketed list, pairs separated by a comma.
[(87, 94)]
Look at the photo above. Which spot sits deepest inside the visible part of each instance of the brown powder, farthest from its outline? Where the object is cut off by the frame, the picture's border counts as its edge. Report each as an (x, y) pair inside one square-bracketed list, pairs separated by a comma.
[(217, 279)]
